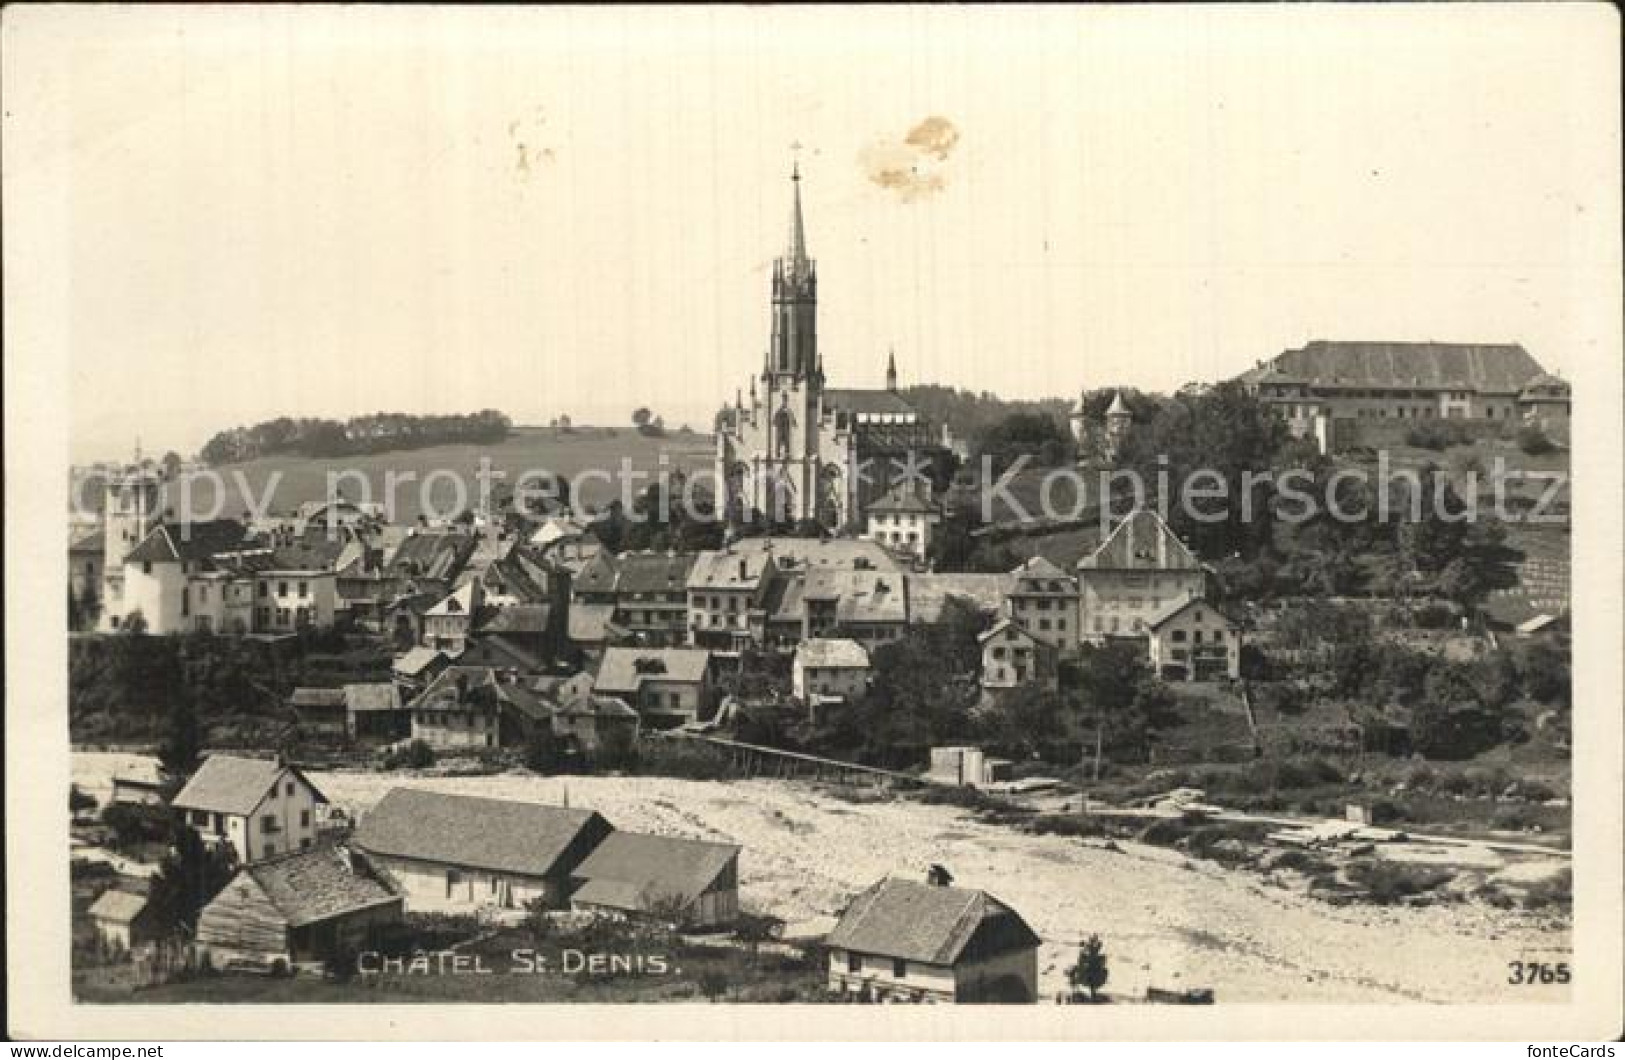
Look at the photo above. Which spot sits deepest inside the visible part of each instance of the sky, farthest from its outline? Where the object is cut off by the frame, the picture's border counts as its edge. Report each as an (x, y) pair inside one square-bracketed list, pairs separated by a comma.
[(241, 213)]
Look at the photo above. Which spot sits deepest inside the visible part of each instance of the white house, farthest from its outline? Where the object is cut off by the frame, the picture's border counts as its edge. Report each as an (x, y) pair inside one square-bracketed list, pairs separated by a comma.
[(834, 668), (1197, 638), (906, 941), (259, 806), (903, 521), (1011, 656)]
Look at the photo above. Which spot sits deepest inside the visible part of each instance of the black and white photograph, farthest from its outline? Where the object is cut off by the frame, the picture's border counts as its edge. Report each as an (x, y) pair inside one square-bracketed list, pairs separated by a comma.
[(1105, 515)]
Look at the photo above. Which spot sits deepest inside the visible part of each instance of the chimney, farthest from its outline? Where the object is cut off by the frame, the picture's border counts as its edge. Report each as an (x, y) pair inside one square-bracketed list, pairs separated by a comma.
[(938, 876), (742, 566)]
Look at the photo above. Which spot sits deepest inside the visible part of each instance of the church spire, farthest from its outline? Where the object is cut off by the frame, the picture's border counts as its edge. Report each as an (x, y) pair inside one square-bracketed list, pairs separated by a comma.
[(891, 370), (795, 257)]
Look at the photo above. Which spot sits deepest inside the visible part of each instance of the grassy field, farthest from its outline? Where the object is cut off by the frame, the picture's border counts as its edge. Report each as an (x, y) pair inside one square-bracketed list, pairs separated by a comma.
[(282, 483)]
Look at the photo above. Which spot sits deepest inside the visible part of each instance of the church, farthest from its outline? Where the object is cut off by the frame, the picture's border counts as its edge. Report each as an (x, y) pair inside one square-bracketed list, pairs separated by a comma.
[(796, 450)]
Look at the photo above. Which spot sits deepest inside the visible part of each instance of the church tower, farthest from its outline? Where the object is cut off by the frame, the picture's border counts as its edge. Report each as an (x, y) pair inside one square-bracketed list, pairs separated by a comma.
[(793, 379), (131, 508)]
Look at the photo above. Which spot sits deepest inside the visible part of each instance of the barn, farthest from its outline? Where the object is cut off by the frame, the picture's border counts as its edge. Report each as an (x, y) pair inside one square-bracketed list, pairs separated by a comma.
[(692, 882), (300, 907)]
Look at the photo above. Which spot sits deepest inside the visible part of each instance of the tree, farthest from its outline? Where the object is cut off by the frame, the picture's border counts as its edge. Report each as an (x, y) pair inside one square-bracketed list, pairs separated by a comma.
[(543, 754), (190, 877), (135, 623), (172, 464), (1090, 973), (641, 417), (182, 740), (90, 605)]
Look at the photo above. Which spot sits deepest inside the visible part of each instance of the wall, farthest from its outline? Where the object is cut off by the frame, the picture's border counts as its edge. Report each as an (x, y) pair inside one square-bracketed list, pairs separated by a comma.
[(156, 592), (1119, 602), (971, 976), (933, 982), (426, 888)]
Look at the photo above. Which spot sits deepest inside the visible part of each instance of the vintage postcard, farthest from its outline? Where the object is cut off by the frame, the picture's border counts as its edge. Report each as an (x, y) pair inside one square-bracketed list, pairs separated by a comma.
[(772, 522)]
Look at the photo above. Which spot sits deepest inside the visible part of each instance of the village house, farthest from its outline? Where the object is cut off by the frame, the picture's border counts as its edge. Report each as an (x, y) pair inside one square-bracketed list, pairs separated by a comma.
[(373, 713), (651, 596), (416, 667), (455, 853), (829, 669), (906, 941), (474, 708), (448, 624), (590, 724), (258, 806), (667, 686), (1043, 600), (297, 908), (870, 607), (532, 631), (727, 591), (904, 520), (124, 920), (1192, 640), (1139, 569), (1011, 657), (689, 882)]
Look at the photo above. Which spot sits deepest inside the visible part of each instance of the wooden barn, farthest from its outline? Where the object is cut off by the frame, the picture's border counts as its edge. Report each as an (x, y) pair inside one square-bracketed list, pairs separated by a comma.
[(462, 853), (688, 881), (300, 907)]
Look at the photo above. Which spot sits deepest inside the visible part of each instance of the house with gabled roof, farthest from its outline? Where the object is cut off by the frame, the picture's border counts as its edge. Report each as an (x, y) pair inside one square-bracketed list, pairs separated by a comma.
[(902, 940), (667, 686), (1192, 640), (459, 852), (690, 882), (300, 907), (373, 711), (727, 594), (651, 596), (1139, 569), (829, 668), (903, 520), (1043, 600), (124, 919), (1012, 656), (260, 807)]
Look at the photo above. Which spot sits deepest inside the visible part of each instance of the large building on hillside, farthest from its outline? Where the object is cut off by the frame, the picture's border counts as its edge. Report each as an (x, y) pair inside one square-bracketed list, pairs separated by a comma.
[(1325, 386), (1137, 573), (795, 449)]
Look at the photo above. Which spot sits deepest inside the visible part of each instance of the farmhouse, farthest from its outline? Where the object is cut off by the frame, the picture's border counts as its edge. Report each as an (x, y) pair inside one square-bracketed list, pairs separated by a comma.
[(457, 852), (124, 919), (688, 881), (910, 941), (258, 806), (295, 908), (474, 708)]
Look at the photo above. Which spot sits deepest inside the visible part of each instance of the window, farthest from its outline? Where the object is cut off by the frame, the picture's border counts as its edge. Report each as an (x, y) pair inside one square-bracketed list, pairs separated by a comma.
[(282, 588), (270, 850), (146, 566), (268, 824), (288, 788), (304, 589), (854, 963), (1178, 636), (899, 968), (265, 589), (304, 818), (304, 844)]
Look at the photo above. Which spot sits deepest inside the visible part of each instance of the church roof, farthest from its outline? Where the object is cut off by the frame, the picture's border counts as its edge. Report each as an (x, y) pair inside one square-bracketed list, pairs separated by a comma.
[(866, 401)]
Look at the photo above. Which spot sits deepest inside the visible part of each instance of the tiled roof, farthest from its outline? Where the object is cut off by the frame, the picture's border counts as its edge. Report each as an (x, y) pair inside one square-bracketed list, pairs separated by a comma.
[(175, 541), (729, 569), (1142, 541), (634, 871), (1040, 576), (380, 695), (867, 401), (590, 623), (1178, 607), (433, 555), (861, 596), (653, 572), (928, 594), (1498, 368), (934, 925), (519, 618), (94, 541), (313, 552), (1000, 627), (226, 784), (416, 660), (832, 652), (590, 705), (492, 834), (903, 500), (318, 884), (624, 669), (839, 553), (119, 906), (597, 576)]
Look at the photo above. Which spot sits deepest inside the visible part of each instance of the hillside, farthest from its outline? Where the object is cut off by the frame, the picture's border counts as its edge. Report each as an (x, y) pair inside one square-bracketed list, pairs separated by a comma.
[(296, 480)]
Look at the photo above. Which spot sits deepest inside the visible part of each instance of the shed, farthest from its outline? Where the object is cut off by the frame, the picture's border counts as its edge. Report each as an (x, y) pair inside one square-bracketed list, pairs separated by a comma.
[(124, 919)]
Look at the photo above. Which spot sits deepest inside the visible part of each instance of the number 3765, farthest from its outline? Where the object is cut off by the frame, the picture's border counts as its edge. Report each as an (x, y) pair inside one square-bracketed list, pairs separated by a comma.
[(1522, 973)]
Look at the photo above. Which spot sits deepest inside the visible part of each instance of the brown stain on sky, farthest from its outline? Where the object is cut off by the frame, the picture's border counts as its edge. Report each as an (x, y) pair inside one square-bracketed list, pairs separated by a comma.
[(912, 168)]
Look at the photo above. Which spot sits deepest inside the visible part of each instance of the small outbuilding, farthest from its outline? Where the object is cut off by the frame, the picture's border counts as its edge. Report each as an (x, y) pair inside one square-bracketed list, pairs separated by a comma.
[(688, 881), (124, 919)]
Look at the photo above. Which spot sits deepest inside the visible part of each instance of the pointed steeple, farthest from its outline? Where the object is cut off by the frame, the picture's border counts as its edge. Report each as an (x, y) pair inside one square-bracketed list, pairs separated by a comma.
[(891, 370), (795, 256)]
